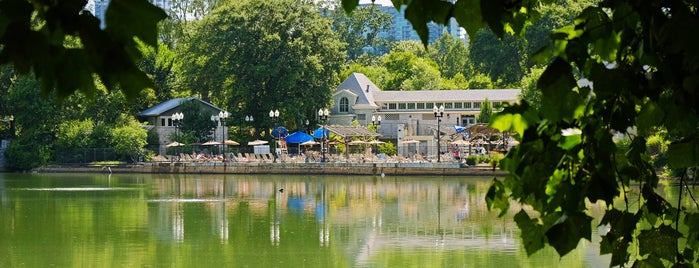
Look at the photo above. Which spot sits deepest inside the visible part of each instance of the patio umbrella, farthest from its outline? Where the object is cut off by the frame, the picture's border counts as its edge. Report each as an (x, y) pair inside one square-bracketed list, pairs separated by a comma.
[(298, 137), (211, 143), (230, 142), (410, 142), (356, 142), (460, 142), (318, 133), (257, 142), (174, 143), (280, 132), (310, 143), (375, 142)]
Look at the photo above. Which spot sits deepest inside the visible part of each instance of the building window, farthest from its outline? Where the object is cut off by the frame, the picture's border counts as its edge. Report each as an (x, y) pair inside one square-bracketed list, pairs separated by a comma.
[(458, 105), (429, 106), (411, 106), (384, 106), (391, 117), (420, 106), (169, 122), (497, 105), (476, 105), (162, 122), (439, 104), (467, 105), (448, 105), (344, 105), (391, 106), (402, 106)]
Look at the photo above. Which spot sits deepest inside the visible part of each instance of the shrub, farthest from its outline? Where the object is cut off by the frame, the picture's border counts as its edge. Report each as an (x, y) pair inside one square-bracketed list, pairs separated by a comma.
[(471, 160)]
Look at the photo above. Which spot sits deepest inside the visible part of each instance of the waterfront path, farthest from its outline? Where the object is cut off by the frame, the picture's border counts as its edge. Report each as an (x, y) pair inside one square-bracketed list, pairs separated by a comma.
[(378, 169)]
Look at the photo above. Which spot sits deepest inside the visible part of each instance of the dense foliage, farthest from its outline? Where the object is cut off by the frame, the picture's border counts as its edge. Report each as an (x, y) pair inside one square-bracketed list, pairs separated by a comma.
[(641, 70)]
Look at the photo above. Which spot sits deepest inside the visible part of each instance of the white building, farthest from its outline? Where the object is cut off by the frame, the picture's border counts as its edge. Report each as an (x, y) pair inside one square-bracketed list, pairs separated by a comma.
[(408, 115)]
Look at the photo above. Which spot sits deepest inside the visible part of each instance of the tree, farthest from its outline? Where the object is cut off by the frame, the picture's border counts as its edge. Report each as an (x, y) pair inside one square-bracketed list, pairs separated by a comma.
[(407, 71), (198, 124), (642, 67), (359, 29), (451, 55), (258, 56), (503, 59), (129, 139), (486, 112)]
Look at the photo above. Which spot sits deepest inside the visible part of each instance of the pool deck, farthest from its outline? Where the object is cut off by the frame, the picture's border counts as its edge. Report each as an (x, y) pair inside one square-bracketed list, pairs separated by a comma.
[(376, 169)]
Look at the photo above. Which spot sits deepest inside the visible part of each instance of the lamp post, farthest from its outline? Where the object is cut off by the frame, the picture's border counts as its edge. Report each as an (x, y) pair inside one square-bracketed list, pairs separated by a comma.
[(323, 115), (249, 120), (274, 115), (222, 116), (376, 121), (177, 121), (438, 113)]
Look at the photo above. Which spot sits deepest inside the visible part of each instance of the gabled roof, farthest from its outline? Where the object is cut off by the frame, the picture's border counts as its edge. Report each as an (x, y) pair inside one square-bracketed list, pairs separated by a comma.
[(360, 85), (447, 95), (351, 131), (170, 104)]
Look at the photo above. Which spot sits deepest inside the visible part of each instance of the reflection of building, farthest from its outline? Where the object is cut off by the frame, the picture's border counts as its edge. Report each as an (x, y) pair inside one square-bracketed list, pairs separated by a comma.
[(408, 114), (159, 118)]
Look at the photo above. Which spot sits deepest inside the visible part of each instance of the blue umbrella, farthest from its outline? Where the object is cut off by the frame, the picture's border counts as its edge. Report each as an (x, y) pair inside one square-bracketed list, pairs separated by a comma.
[(318, 133), (279, 132), (298, 137)]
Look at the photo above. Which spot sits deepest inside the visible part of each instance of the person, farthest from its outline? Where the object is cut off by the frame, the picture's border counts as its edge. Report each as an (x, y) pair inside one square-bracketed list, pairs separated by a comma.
[(457, 153)]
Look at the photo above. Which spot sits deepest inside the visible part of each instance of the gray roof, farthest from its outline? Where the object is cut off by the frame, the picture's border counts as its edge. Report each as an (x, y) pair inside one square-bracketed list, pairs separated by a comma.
[(170, 104), (357, 83), (447, 95)]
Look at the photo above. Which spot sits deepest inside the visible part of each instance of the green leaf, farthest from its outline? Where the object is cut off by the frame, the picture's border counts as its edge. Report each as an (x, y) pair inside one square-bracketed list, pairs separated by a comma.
[(350, 5), (532, 235), (421, 12), (491, 12), (660, 242), (134, 18), (509, 122), (564, 237), (559, 101), (570, 141), (682, 154), (497, 198), (468, 14)]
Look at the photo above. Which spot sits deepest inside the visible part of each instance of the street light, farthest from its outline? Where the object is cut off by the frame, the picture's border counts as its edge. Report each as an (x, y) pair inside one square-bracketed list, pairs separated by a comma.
[(222, 116), (249, 120), (376, 120), (438, 113), (274, 115), (177, 121), (323, 115)]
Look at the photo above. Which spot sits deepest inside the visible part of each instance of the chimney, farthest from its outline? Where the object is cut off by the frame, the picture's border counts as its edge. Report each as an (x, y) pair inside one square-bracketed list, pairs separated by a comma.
[(367, 88)]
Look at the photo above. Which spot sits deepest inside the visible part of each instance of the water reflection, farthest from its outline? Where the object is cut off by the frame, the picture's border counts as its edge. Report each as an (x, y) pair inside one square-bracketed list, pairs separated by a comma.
[(187, 220)]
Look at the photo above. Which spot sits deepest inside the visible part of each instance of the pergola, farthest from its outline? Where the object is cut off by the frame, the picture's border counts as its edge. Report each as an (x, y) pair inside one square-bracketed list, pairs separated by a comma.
[(348, 132)]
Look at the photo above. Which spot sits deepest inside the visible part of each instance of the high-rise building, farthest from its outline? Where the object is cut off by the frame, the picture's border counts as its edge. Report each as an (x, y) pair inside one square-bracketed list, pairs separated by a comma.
[(401, 29)]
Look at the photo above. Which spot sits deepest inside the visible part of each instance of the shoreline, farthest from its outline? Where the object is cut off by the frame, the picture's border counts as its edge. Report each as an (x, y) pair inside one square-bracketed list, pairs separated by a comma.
[(376, 169)]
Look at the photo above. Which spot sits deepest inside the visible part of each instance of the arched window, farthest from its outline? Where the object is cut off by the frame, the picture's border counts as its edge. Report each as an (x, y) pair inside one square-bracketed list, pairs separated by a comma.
[(344, 105)]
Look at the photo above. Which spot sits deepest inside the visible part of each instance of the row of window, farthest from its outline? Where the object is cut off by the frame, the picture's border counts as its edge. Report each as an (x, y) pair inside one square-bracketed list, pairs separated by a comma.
[(476, 105)]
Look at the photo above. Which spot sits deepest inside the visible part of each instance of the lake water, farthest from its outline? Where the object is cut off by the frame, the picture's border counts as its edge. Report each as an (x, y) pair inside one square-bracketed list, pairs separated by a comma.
[(145, 220)]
